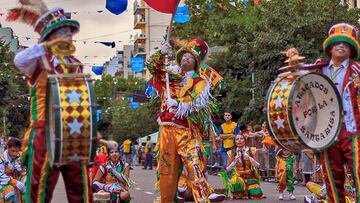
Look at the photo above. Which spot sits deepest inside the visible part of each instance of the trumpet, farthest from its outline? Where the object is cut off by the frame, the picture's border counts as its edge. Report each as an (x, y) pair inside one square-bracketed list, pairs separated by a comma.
[(62, 48)]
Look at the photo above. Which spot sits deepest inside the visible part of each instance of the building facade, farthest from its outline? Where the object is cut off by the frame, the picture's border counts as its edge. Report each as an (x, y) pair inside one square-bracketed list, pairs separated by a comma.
[(152, 26), (7, 36)]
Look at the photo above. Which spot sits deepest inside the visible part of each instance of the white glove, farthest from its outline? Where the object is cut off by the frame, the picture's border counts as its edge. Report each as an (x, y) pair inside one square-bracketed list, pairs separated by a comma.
[(108, 168), (171, 103), (20, 186), (165, 48)]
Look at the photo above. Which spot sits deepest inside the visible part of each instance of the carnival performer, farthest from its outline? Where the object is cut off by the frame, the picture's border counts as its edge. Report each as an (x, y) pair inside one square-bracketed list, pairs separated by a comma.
[(189, 105), (285, 168), (243, 182), (114, 177), (37, 63), (11, 185), (341, 47)]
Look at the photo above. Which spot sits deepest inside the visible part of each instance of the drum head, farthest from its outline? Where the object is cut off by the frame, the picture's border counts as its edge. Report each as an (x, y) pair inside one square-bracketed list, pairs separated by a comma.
[(315, 110)]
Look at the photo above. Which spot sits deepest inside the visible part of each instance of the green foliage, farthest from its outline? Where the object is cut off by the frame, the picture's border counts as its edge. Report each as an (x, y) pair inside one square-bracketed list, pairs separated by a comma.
[(13, 90), (254, 37), (118, 119)]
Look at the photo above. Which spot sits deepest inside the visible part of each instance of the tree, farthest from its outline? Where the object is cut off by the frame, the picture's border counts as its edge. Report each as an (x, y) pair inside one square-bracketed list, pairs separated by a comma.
[(253, 38), (118, 119), (13, 95)]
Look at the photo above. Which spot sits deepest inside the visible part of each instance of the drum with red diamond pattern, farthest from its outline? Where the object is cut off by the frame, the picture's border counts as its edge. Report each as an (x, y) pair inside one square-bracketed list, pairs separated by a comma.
[(304, 110), (70, 119)]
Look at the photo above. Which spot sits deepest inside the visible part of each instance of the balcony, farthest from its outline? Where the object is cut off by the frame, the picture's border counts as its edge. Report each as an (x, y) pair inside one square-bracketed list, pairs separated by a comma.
[(139, 22), (140, 38), (139, 7), (139, 51)]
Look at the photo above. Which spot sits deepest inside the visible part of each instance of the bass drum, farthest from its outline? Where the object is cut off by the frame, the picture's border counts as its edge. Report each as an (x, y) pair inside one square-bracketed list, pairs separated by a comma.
[(304, 110), (70, 119)]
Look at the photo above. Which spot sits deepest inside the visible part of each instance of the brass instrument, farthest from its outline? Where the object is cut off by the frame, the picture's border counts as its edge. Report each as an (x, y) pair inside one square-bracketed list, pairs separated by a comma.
[(61, 49)]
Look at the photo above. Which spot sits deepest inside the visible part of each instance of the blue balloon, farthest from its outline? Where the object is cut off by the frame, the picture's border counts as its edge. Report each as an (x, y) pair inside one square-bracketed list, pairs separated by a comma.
[(116, 6)]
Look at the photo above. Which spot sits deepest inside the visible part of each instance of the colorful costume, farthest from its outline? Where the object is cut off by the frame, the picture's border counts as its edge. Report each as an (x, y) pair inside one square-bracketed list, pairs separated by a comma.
[(114, 179), (12, 181), (243, 182), (284, 169), (180, 139), (347, 81), (36, 63)]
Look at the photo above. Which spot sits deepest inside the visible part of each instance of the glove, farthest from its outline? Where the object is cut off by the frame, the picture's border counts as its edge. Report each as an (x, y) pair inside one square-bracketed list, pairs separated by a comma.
[(165, 48), (171, 103), (108, 168), (20, 186)]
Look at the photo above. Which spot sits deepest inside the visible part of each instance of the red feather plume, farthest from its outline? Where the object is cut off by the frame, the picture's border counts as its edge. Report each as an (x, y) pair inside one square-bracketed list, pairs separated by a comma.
[(22, 14)]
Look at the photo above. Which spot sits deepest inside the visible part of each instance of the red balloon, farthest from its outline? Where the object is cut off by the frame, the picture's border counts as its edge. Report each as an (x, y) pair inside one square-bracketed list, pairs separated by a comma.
[(163, 6)]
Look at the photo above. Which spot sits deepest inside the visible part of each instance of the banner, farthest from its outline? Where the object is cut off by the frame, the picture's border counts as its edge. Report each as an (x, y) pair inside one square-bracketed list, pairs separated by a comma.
[(98, 70), (137, 64), (182, 15)]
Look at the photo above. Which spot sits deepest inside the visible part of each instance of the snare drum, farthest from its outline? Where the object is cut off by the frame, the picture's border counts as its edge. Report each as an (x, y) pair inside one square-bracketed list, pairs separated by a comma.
[(304, 110), (70, 119), (101, 197)]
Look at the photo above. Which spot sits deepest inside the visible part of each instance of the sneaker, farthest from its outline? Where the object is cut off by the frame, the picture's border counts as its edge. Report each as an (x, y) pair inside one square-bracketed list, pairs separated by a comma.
[(180, 200), (215, 165), (281, 196), (292, 197), (213, 197)]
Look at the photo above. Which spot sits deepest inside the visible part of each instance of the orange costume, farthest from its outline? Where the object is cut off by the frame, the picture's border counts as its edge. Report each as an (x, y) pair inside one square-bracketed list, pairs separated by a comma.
[(180, 139)]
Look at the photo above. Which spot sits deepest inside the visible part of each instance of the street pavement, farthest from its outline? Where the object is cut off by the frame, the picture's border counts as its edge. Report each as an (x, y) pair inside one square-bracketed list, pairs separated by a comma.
[(144, 192)]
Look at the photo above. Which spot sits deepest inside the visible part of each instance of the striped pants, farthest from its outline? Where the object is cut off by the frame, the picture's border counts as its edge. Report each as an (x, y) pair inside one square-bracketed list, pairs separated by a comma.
[(346, 151), (43, 179)]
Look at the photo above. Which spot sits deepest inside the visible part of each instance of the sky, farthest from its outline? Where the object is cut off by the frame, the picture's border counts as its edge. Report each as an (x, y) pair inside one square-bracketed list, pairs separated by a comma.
[(94, 26)]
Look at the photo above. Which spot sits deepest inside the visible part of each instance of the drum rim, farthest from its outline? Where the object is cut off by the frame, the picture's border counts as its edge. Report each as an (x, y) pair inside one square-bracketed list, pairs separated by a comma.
[(93, 141), (52, 158), (290, 117), (268, 124)]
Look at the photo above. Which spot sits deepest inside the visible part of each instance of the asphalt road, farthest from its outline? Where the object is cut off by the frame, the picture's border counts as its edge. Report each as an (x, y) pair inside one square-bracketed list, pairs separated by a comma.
[(144, 192)]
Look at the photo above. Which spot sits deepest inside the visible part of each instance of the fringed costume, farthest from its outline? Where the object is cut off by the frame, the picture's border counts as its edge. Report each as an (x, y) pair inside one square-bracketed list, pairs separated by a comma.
[(37, 63), (180, 143)]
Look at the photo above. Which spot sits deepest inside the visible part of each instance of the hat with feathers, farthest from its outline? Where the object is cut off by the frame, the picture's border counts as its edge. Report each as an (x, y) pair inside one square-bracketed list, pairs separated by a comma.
[(44, 21)]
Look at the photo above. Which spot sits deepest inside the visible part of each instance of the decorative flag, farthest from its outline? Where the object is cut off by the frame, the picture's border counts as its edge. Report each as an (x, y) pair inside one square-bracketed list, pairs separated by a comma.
[(221, 6), (116, 6), (109, 44), (134, 105), (163, 6), (182, 14), (150, 91), (210, 6), (137, 64), (131, 99), (98, 70)]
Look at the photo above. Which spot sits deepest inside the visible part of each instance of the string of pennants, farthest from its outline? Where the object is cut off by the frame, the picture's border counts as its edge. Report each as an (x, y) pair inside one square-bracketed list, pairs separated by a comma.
[(119, 6)]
